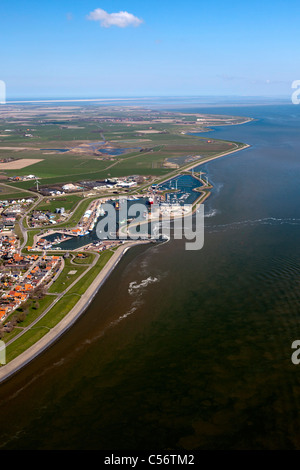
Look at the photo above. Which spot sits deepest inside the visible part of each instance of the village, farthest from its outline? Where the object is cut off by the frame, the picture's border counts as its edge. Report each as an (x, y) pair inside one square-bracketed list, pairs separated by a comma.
[(22, 275)]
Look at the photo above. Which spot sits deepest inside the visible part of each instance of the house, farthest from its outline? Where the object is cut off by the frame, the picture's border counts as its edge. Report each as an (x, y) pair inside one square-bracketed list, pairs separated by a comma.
[(3, 312)]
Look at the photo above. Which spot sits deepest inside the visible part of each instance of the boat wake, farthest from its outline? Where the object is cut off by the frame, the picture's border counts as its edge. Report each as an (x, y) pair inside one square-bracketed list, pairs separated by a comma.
[(211, 213), (135, 287)]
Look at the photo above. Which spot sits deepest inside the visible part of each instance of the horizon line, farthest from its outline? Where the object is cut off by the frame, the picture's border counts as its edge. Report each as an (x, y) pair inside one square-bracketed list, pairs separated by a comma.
[(137, 98)]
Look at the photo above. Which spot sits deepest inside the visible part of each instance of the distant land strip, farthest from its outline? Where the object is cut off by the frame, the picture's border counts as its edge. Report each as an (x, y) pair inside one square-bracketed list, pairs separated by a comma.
[(79, 100)]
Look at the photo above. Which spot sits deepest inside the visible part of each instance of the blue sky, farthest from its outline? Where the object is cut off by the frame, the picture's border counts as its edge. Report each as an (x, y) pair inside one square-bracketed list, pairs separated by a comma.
[(83, 48)]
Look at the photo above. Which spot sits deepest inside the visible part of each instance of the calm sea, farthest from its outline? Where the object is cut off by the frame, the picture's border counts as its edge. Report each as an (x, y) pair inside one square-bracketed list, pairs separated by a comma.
[(187, 349)]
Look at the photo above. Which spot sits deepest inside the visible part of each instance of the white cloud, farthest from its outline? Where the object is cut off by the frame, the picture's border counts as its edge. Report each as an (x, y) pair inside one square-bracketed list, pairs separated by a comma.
[(121, 19)]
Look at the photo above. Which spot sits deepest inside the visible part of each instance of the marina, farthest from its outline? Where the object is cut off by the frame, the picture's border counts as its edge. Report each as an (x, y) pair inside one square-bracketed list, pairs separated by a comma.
[(172, 198), (181, 190)]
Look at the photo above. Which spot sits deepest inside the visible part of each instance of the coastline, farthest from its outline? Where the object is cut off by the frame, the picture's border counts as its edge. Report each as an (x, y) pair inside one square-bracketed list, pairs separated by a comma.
[(14, 366), (202, 162), (220, 155)]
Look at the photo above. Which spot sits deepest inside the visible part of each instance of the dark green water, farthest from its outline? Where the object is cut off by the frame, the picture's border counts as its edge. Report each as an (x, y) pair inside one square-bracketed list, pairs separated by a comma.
[(185, 349)]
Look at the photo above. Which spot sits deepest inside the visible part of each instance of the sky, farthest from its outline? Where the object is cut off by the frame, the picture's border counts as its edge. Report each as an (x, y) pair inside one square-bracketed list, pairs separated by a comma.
[(132, 48)]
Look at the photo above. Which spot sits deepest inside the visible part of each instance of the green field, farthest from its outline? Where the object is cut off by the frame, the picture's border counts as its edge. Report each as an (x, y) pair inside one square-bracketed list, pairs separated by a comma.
[(88, 258), (85, 126), (87, 279), (35, 309), (9, 191), (69, 202), (66, 278), (30, 237)]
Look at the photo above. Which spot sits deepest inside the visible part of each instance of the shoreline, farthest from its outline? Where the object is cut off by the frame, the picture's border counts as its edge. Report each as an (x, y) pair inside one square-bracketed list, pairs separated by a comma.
[(14, 366), (219, 156), (202, 162)]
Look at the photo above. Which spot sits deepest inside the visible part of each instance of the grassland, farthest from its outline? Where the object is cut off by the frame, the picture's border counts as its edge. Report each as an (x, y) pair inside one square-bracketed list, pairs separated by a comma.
[(87, 259), (69, 202), (68, 275), (8, 191), (91, 274), (35, 309), (30, 238)]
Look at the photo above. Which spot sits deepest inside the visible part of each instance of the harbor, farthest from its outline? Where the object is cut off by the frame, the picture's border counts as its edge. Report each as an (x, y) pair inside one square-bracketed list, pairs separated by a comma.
[(173, 198)]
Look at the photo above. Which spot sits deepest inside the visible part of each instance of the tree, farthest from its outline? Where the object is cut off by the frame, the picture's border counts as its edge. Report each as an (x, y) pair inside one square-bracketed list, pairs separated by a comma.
[(38, 293)]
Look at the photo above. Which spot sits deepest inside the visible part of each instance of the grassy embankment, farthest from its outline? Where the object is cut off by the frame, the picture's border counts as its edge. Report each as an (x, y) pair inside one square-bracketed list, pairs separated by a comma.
[(9, 191), (65, 279), (35, 309)]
